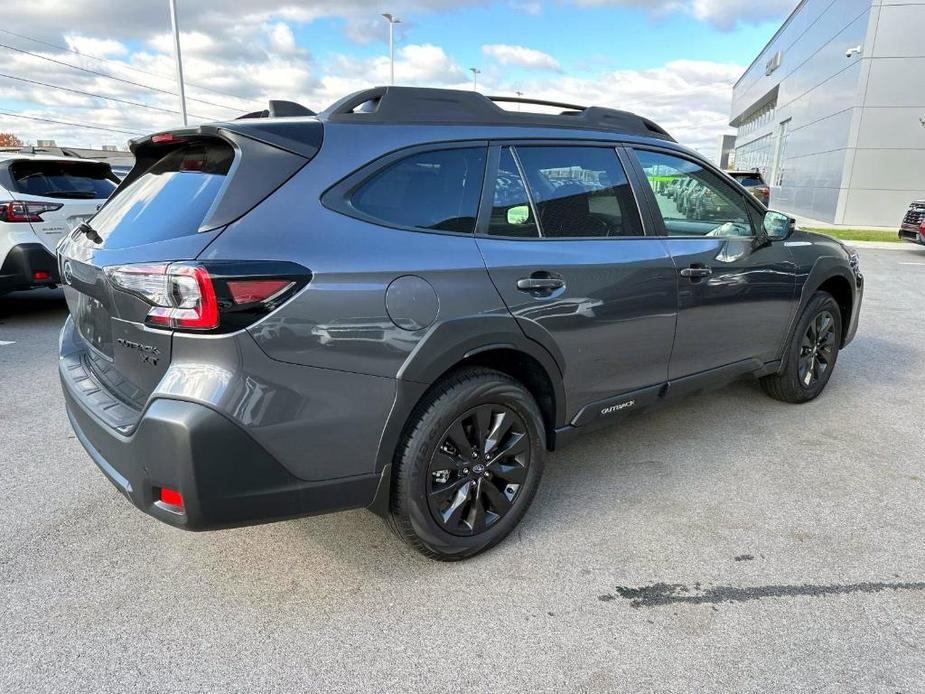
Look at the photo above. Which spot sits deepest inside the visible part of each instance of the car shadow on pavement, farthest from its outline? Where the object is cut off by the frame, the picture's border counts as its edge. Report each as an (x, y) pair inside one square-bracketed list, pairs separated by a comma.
[(37, 302)]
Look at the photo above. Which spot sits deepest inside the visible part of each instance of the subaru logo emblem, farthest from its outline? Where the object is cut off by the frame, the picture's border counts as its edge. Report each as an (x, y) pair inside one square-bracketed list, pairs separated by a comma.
[(68, 274)]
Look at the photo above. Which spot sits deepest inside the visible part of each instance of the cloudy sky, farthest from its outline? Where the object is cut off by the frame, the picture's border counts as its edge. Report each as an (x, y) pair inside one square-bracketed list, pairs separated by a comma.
[(672, 60)]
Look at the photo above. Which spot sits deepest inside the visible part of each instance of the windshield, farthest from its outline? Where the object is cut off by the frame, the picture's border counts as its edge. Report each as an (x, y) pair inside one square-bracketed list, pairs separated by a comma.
[(79, 180)]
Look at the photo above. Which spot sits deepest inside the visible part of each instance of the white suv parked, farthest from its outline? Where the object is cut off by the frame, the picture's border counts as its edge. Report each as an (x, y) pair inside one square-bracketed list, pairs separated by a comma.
[(41, 199)]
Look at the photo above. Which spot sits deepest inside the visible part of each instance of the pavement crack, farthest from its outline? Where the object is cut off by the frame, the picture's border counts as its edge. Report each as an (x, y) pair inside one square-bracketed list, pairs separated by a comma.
[(659, 594)]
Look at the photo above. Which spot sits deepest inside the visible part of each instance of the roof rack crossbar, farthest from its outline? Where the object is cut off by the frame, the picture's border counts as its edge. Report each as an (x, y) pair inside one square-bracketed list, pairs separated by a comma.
[(537, 102), (420, 105)]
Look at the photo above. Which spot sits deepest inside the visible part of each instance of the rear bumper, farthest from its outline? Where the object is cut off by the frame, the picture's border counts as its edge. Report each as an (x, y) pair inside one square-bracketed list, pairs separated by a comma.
[(225, 477), (21, 264)]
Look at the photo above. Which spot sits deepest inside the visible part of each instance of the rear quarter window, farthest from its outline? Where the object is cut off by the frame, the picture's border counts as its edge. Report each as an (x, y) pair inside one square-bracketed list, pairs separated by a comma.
[(76, 180), (437, 190)]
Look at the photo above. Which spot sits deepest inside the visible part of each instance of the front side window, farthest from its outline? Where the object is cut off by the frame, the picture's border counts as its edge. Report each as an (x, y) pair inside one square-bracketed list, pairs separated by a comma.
[(436, 190), (692, 200), (580, 192)]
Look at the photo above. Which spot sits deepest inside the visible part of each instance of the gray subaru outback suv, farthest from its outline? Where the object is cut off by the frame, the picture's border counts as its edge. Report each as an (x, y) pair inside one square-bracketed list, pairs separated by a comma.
[(403, 302)]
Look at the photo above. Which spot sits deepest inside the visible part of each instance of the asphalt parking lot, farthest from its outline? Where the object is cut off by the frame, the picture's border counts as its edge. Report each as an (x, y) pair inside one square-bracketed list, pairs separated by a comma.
[(730, 543)]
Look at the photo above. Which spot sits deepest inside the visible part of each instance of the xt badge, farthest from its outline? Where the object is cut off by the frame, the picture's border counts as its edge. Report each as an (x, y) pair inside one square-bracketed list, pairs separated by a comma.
[(149, 353)]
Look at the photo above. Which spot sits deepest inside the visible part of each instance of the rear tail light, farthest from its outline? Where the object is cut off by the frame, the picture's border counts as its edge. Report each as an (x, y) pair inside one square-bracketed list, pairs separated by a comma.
[(211, 297), (249, 291), (19, 211), (188, 299)]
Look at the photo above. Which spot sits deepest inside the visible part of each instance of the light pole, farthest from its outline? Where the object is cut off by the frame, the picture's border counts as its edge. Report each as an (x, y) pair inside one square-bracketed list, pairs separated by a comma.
[(392, 20), (176, 46), (519, 95), (475, 78)]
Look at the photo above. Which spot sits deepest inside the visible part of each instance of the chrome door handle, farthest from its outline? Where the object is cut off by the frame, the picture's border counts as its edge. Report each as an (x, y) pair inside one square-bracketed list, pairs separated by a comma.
[(539, 284), (696, 271)]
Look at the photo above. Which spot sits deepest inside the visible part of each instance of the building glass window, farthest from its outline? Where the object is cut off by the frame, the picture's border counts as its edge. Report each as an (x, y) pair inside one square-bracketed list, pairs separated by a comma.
[(756, 155), (758, 119)]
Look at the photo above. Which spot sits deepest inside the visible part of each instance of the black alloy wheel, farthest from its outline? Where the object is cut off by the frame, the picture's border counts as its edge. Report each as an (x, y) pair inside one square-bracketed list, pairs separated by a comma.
[(478, 469), (807, 363), (817, 350)]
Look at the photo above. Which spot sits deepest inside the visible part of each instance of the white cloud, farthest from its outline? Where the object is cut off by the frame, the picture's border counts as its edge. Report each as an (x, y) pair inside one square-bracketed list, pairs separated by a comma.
[(689, 98), (521, 56), (93, 46), (527, 6), (723, 14), (423, 65), (726, 14)]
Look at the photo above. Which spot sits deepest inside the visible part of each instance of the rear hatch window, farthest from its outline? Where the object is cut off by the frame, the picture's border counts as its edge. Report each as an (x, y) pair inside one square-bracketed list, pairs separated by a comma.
[(170, 199), (75, 180)]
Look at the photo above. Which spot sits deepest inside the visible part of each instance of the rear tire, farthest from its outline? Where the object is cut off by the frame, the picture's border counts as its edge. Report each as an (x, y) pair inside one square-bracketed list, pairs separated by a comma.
[(811, 354), (468, 466)]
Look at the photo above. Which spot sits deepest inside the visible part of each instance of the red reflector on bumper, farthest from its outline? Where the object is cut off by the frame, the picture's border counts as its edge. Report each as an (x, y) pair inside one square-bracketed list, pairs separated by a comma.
[(40, 275), (172, 497)]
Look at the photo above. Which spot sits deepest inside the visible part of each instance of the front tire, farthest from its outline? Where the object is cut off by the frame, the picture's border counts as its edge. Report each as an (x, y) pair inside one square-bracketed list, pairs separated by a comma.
[(468, 466), (811, 354)]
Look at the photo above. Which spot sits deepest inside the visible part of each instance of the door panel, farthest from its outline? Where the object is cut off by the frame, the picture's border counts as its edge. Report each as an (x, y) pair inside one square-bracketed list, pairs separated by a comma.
[(736, 290), (741, 310), (608, 303), (614, 318)]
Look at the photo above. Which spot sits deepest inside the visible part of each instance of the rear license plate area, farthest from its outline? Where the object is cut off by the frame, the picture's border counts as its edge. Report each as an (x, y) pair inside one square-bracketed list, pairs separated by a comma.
[(93, 323)]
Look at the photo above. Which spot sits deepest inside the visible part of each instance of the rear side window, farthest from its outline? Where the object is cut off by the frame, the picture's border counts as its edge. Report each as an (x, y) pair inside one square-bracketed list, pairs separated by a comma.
[(436, 190), (168, 200), (580, 192), (75, 180)]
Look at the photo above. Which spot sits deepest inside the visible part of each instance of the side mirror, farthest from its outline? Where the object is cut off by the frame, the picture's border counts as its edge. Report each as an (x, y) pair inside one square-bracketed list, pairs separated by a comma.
[(778, 226), (519, 214)]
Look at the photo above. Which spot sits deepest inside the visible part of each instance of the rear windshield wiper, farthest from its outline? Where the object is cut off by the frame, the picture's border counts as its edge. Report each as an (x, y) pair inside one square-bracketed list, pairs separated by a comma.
[(89, 232)]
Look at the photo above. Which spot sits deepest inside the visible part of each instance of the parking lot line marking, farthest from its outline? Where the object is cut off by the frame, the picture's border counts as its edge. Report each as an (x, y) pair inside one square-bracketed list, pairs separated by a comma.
[(912, 263), (4, 343)]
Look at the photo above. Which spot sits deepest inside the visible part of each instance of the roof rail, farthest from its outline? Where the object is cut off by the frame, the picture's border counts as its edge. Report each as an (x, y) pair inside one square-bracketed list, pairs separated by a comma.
[(452, 106), (279, 109)]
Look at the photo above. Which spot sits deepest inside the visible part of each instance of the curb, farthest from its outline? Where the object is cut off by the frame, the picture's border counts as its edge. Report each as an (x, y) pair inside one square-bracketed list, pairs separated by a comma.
[(880, 245)]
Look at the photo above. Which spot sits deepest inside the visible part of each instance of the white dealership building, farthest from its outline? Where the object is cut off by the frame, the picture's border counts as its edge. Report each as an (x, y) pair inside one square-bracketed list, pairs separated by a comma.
[(832, 111)]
